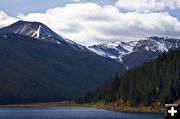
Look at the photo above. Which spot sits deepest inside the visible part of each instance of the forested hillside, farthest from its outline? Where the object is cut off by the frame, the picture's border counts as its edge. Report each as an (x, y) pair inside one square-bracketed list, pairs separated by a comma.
[(154, 81), (32, 70)]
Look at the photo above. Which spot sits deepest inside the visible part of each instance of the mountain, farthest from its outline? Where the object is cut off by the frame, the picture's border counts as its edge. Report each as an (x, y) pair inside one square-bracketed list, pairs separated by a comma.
[(157, 81), (32, 29), (38, 65), (135, 53), (39, 31)]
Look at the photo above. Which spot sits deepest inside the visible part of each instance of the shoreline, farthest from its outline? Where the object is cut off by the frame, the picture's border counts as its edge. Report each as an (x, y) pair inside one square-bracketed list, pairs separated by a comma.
[(43, 104), (98, 105), (128, 108)]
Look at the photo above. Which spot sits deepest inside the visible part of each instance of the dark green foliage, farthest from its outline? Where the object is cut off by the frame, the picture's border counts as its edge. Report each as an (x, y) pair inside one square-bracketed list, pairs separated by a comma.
[(157, 80), (32, 70)]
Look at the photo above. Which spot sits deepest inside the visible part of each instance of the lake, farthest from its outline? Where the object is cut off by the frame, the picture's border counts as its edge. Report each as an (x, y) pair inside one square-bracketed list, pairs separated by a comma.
[(71, 113)]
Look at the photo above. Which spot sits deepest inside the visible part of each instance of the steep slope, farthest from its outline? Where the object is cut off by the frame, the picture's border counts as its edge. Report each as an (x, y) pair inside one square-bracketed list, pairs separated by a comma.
[(135, 53), (39, 31), (33, 70), (156, 81)]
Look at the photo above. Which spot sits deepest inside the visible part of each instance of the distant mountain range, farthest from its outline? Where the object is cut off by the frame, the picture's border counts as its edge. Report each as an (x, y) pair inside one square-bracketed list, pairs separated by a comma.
[(134, 53), (37, 65), (128, 53)]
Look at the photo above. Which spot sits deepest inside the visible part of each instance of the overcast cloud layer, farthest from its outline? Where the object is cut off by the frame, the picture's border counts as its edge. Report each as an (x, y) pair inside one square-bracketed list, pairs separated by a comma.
[(90, 23)]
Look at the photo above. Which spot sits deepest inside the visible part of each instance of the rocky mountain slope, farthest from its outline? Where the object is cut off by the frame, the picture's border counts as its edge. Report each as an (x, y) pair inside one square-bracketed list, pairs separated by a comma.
[(135, 53)]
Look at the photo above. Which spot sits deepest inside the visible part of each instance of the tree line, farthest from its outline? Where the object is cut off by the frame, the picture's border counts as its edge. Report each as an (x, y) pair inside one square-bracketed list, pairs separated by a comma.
[(156, 80)]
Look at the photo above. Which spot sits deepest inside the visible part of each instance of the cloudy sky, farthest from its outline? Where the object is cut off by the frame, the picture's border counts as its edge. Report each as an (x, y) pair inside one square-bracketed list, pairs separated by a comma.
[(97, 21)]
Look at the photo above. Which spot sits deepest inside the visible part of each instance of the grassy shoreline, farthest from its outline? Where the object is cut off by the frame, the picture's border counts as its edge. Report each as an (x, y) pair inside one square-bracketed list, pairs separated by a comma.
[(154, 108), (128, 108)]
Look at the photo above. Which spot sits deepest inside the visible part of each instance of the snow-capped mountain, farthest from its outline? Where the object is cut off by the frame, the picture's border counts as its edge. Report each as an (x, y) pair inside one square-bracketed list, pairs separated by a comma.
[(39, 31), (133, 53)]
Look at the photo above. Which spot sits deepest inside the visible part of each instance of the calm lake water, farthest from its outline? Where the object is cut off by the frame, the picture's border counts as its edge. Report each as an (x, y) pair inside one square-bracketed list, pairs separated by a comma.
[(71, 113)]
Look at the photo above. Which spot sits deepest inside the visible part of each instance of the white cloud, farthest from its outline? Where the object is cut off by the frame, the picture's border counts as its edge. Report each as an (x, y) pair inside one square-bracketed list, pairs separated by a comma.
[(148, 5), (6, 20), (89, 23)]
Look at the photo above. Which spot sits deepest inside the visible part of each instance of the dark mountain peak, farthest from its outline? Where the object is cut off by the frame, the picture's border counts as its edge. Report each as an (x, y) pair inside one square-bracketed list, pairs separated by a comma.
[(156, 37), (33, 29), (39, 31)]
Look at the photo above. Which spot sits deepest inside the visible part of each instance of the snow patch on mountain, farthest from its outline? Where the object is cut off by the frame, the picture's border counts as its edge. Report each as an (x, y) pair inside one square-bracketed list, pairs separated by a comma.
[(114, 50), (36, 33)]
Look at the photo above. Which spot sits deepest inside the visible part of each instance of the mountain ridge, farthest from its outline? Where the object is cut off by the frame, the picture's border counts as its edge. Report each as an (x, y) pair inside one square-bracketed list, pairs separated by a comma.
[(147, 49), (129, 53)]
